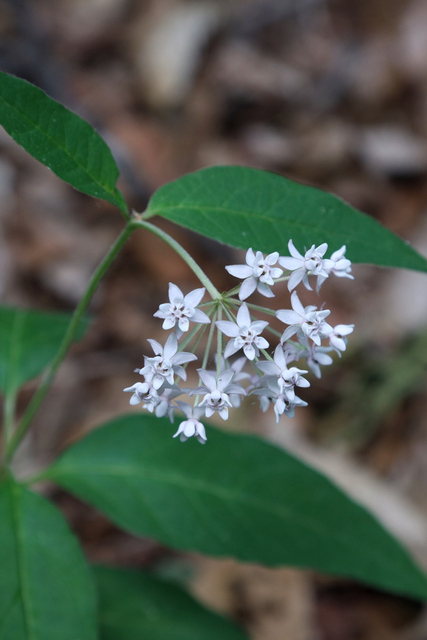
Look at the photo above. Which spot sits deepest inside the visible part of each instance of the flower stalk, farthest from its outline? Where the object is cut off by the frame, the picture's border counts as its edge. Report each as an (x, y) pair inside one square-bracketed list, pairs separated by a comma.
[(79, 312)]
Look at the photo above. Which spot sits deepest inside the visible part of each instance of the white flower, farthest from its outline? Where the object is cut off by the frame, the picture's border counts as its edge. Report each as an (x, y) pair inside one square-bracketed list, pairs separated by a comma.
[(245, 333), (292, 350), (282, 404), (162, 405), (318, 357), (337, 339), (237, 367), (217, 390), (166, 362), (304, 321), (315, 356), (258, 273), (287, 379), (340, 266), (192, 426), (142, 392), (182, 309), (312, 262)]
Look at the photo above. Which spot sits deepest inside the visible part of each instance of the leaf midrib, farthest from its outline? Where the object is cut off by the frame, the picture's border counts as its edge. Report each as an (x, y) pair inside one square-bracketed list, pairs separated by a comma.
[(26, 604), (219, 492)]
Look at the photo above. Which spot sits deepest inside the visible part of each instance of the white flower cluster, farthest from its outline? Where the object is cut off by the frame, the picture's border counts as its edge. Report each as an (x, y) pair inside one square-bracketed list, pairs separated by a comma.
[(273, 379)]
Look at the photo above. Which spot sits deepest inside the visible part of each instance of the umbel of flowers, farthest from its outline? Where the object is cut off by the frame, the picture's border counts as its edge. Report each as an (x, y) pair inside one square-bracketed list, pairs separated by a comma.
[(243, 361)]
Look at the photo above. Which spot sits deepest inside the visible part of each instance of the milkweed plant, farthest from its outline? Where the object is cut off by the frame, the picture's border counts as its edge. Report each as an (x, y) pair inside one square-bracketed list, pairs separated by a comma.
[(239, 496)]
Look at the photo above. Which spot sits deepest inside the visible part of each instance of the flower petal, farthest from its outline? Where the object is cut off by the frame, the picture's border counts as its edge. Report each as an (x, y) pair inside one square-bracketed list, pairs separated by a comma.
[(239, 270), (194, 298), (175, 293), (337, 255), (208, 379), (231, 349), (180, 429), (168, 323), (156, 346), (288, 333), (225, 378), (179, 371), (162, 313), (236, 388), (288, 317), (279, 357), (249, 351), (295, 278), (296, 304), (294, 252), (230, 329), (201, 433), (343, 329), (261, 343), (337, 342), (276, 273), (171, 347), (258, 326), (290, 264), (265, 290), (272, 258), (247, 287), (250, 257), (223, 412), (322, 248), (183, 324), (185, 408), (323, 358), (200, 317), (183, 356), (243, 316), (268, 367)]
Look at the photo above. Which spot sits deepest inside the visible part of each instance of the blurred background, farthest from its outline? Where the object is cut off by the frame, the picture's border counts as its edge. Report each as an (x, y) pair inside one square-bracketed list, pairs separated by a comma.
[(328, 92)]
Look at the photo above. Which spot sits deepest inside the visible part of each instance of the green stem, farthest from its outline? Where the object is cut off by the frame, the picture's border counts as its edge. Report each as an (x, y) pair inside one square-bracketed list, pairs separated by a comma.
[(192, 333), (230, 315), (278, 334), (213, 291), (68, 338), (206, 354), (209, 343), (9, 407), (219, 345), (267, 355), (255, 307), (233, 291)]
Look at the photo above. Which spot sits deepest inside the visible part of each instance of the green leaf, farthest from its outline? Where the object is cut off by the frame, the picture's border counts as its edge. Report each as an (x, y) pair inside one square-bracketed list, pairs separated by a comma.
[(28, 342), (59, 139), (46, 591), (237, 496), (246, 207), (135, 605)]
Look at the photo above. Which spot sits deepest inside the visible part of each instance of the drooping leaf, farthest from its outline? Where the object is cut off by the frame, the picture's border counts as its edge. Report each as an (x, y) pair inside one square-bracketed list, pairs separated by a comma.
[(46, 590), (237, 496), (133, 606), (245, 207), (28, 342), (59, 139)]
